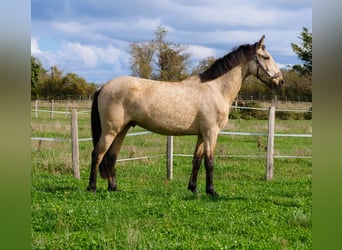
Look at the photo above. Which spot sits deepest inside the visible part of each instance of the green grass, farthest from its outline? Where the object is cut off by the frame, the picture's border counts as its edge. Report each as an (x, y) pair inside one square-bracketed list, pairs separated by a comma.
[(150, 212)]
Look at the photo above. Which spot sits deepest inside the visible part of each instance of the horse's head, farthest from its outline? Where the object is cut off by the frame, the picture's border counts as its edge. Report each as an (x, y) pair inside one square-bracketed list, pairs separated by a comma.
[(264, 67)]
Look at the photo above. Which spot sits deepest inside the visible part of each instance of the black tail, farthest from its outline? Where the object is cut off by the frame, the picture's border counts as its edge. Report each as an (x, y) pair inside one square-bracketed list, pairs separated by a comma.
[(105, 166), (95, 119)]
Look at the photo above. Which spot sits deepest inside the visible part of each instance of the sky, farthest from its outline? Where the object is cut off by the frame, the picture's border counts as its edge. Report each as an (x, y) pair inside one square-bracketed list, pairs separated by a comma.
[(91, 37)]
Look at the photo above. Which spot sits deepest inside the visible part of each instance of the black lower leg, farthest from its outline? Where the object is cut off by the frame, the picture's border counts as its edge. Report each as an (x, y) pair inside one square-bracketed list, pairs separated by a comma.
[(111, 173), (196, 163), (209, 167), (93, 172), (111, 184)]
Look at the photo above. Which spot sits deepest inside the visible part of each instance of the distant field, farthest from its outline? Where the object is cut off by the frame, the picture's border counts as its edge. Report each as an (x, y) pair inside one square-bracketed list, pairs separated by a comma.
[(150, 212)]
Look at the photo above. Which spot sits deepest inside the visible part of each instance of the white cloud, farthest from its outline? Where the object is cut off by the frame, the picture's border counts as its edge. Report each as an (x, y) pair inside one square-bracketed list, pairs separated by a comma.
[(200, 52), (89, 55), (34, 46), (77, 52)]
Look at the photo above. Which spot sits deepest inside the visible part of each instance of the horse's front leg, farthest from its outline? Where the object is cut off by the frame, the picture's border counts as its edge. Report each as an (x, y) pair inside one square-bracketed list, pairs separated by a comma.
[(196, 163), (209, 167), (209, 148)]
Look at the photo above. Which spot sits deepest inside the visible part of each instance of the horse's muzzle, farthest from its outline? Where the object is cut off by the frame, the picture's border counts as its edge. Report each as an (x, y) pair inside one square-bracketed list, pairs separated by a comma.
[(277, 82)]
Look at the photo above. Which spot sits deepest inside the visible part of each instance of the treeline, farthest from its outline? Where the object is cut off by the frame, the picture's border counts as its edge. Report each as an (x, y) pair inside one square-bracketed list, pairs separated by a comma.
[(160, 59), (53, 84)]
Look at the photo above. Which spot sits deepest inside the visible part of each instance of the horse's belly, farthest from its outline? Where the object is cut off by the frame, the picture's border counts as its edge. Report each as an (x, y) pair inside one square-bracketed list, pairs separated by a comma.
[(169, 123)]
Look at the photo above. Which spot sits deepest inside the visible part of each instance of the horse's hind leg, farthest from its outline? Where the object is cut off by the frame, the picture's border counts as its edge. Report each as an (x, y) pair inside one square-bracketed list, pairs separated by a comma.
[(112, 155), (196, 163), (97, 155), (107, 168)]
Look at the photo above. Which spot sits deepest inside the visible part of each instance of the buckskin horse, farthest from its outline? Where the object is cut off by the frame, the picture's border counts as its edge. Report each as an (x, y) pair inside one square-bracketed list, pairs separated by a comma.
[(198, 105)]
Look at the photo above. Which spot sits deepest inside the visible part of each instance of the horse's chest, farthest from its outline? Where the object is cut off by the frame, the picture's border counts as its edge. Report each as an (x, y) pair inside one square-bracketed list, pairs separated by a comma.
[(222, 119)]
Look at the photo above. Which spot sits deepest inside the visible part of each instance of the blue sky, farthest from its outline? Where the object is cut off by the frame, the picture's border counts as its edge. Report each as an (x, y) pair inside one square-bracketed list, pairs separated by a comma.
[(91, 37)]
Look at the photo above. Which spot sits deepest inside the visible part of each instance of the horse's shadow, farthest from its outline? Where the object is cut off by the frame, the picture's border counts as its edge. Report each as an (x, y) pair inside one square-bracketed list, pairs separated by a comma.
[(278, 200), (205, 197), (55, 188)]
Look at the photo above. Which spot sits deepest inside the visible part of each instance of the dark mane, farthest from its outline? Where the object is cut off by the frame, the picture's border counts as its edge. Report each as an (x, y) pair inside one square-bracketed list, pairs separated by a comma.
[(229, 61)]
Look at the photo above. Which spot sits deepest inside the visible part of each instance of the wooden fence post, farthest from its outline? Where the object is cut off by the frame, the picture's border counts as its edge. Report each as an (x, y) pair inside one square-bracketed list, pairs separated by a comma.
[(169, 153), (36, 107), (66, 107), (270, 144), (74, 143), (52, 108)]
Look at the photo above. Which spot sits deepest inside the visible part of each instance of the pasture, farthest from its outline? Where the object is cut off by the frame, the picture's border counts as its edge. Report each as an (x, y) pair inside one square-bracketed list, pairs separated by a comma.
[(150, 212)]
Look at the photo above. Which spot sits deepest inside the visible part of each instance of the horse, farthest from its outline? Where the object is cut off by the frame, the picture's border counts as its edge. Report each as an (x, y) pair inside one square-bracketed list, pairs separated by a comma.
[(198, 105)]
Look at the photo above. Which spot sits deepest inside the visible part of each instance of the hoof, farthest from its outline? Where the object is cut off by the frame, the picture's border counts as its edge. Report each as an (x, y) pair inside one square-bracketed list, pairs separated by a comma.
[(91, 189), (212, 193), (112, 189), (192, 188)]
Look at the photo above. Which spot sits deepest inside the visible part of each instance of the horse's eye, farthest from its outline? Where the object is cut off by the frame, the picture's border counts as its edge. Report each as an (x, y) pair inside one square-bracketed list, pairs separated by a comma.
[(265, 57)]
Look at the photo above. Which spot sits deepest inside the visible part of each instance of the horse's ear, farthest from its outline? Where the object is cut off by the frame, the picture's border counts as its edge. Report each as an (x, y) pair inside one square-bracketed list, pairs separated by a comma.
[(261, 42)]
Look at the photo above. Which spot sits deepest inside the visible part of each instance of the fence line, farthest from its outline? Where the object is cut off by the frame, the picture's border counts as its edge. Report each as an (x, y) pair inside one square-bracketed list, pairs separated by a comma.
[(251, 156), (232, 107), (53, 111), (278, 110), (50, 139), (149, 132), (169, 152), (261, 98)]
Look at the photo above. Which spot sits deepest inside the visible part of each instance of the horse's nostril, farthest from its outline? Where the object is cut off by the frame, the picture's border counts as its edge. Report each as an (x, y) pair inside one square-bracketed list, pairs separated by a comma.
[(280, 84)]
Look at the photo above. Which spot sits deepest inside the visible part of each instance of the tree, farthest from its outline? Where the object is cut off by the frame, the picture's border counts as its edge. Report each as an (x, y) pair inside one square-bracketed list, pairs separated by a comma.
[(51, 85), (203, 65), (172, 60), (55, 84), (304, 52), (141, 59), (158, 59), (36, 70), (172, 64), (73, 85), (297, 86)]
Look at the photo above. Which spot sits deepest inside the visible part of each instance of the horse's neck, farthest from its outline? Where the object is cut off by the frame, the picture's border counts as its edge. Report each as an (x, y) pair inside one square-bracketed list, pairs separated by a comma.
[(230, 83)]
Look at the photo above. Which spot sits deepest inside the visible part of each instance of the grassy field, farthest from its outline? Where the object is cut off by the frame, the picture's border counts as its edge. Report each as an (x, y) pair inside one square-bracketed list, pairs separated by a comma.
[(150, 212)]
